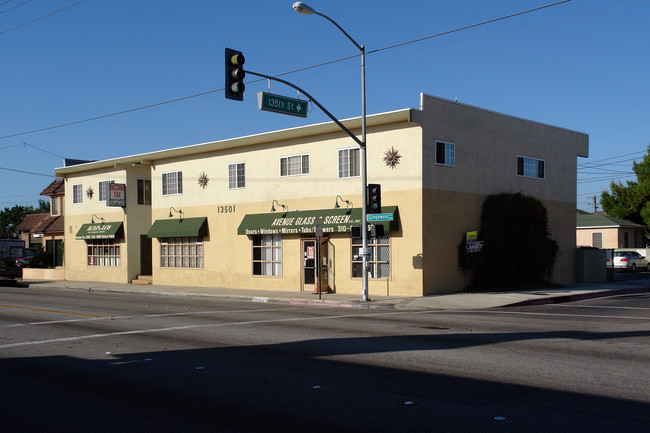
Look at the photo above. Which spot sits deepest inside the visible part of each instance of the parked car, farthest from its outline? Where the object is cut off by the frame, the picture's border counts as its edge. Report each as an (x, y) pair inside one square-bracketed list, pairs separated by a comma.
[(22, 261), (629, 261)]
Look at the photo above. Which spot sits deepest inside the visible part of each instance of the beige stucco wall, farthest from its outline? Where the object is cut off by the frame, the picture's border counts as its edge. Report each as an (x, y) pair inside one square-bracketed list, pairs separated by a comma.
[(228, 256), (436, 204), (613, 237), (486, 148), (81, 213)]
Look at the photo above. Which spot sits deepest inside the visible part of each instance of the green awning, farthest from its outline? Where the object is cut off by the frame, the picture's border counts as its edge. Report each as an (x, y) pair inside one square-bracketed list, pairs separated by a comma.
[(107, 230), (302, 222), (179, 227)]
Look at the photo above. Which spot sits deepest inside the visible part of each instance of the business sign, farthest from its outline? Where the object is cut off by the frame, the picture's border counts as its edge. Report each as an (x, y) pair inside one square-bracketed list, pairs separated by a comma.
[(281, 104), (117, 195), (474, 246)]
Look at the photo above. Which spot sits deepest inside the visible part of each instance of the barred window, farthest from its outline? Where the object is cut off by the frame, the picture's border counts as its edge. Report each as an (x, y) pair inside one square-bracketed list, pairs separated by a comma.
[(294, 165), (267, 255), (172, 183), (348, 163), (77, 193), (181, 252), (103, 252), (104, 189), (237, 175), (379, 260)]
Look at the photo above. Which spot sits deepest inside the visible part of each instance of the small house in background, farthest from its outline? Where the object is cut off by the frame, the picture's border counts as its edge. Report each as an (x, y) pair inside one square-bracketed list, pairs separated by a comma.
[(602, 231), (51, 228), (29, 221)]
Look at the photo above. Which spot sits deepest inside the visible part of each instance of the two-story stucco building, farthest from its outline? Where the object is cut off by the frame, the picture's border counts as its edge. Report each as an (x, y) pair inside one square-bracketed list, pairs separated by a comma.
[(201, 214)]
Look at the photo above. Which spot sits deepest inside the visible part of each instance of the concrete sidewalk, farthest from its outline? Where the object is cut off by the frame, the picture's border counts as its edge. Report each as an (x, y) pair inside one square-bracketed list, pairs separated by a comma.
[(456, 301)]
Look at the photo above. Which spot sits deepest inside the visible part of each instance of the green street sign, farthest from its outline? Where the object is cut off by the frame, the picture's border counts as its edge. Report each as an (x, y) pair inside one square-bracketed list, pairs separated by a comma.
[(281, 104), (380, 217)]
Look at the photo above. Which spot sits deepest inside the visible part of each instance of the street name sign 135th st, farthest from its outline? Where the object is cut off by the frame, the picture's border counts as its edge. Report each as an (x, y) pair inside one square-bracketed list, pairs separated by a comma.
[(281, 104)]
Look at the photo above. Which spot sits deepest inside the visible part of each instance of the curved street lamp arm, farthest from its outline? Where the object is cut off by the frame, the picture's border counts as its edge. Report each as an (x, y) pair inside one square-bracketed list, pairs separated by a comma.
[(311, 98)]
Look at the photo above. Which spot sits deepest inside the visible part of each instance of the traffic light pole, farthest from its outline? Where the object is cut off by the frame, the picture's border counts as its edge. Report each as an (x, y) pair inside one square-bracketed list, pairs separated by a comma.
[(362, 150)]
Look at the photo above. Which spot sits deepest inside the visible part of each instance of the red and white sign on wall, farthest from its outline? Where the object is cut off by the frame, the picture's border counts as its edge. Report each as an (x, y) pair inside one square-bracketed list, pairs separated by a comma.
[(117, 195)]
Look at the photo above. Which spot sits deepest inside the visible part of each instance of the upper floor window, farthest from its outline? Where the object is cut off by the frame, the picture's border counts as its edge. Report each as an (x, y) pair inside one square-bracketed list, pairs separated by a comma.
[(294, 165), (144, 191), (104, 189), (237, 175), (530, 167), (55, 206), (445, 153), (172, 183), (77, 193), (349, 163)]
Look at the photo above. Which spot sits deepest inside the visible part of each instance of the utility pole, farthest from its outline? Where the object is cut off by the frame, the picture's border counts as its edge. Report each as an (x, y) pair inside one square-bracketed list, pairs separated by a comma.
[(595, 203)]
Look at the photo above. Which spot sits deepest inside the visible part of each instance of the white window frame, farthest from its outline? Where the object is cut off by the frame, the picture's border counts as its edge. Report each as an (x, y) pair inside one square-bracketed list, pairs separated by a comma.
[(103, 252), (449, 156), (104, 189), (234, 179), (142, 194), (302, 168), (345, 166), (182, 252), (177, 182), (527, 164), (77, 193)]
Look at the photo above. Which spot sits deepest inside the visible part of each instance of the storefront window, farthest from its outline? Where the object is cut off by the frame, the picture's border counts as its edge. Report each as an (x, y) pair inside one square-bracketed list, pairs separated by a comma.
[(185, 252), (104, 252), (267, 255), (379, 260)]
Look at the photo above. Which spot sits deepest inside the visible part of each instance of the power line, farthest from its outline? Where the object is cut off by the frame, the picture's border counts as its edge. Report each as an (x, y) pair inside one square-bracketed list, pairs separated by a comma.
[(13, 7), (27, 172), (41, 18), (282, 74)]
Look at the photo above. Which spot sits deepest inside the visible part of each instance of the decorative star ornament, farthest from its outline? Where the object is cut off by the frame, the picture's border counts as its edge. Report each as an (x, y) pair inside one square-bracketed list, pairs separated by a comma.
[(392, 157), (203, 180)]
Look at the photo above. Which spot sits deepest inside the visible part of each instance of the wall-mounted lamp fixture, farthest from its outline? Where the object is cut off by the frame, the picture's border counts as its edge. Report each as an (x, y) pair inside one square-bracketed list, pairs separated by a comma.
[(347, 202), (92, 219), (179, 211), (274, 202)]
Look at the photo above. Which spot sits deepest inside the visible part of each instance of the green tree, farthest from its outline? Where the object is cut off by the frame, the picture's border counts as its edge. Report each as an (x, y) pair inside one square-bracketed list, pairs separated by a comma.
[(517, 252), (11, 217), (631, 201)]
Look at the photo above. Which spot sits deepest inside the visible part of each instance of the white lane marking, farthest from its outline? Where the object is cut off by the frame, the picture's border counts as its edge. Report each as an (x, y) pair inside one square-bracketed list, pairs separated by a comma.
[(185, 313), (180, 328)]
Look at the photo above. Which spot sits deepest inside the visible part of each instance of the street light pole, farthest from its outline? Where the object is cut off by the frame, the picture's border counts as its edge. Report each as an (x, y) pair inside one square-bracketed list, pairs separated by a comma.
[(304, 9)]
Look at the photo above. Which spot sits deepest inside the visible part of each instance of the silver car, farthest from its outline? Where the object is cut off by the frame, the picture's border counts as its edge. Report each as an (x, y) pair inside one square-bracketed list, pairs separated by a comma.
[(629, 261)]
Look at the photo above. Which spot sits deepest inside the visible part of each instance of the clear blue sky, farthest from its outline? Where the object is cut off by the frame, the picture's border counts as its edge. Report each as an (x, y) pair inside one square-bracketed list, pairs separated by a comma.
[(582, 65)]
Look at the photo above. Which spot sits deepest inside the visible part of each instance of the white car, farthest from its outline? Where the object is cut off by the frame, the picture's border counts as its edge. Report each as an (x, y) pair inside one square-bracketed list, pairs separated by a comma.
[(629, 261)]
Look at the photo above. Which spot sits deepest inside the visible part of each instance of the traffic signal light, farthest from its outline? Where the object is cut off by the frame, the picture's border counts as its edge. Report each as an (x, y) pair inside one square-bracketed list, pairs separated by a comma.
[(235, 75), (373, 198)]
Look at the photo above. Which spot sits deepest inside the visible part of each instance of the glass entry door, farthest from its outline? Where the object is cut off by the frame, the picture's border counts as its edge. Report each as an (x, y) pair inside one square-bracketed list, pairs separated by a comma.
[(313, 255), (308, 265)]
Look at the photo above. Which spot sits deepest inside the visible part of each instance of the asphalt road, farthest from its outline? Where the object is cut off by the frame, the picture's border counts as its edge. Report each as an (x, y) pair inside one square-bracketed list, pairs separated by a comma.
[(74, 361)]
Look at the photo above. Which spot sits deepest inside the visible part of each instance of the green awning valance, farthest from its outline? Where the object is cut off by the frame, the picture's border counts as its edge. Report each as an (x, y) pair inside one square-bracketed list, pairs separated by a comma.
[(302, 222), (179, 227), (108, 230)]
